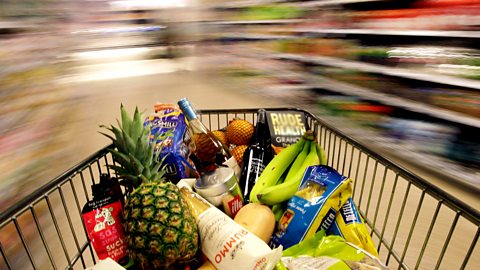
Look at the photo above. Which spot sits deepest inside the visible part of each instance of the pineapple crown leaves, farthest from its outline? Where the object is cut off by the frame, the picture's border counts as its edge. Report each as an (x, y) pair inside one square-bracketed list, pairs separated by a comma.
[(134, 151)]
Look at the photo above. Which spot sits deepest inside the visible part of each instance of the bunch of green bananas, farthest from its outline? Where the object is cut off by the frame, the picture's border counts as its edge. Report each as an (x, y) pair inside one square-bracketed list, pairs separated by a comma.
[(281, 178)]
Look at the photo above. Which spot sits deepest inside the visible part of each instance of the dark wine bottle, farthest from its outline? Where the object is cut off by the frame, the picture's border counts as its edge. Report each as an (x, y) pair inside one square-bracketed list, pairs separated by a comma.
[(208, 152), (257, 155)]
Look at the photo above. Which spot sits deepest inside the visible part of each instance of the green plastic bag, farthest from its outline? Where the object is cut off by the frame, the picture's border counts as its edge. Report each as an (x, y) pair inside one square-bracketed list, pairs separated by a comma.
[(332, 246)]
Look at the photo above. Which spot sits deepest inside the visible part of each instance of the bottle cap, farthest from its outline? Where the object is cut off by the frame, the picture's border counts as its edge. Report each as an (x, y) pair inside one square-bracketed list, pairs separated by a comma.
[(187, 109), (99, 189)]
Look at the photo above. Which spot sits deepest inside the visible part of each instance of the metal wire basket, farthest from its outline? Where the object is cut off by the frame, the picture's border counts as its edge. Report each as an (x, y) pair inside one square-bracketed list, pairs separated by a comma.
[(414, 224)]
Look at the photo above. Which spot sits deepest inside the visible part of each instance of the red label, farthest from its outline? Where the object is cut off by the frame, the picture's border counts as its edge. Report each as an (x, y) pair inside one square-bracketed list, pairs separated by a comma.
[(105, 230), (235, 204)]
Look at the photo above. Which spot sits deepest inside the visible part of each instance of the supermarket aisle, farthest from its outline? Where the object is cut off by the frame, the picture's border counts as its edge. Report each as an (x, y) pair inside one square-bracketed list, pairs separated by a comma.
[(101, 98)]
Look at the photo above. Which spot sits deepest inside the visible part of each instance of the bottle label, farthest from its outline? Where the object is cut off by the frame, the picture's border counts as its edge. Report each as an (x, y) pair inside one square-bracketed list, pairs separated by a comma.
[(232, 164), (230, 246), (234, 205), (105, 230), (257, 166)]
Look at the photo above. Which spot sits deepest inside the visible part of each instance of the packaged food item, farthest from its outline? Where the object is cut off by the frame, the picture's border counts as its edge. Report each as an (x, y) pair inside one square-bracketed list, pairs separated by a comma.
[(169, 132), (327, 250), (221, 189), (286, 128), (349, 225), (102, 217), (225, 243), (314, 206)]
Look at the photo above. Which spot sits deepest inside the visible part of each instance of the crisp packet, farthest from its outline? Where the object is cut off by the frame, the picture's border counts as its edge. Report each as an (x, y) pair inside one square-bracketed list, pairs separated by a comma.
[(320, 247), (349, 225), (314, 206), (170, 134)]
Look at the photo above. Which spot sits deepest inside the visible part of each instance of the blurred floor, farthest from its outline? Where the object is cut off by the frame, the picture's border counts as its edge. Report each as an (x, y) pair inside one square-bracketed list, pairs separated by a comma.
[(102, 87)]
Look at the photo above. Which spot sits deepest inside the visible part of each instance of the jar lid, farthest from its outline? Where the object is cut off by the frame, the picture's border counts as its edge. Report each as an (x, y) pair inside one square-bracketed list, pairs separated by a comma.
[(216, 183)]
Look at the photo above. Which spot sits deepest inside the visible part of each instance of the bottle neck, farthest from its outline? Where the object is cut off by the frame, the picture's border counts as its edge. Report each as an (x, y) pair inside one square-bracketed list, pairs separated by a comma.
[(261, 136), (187, 109)]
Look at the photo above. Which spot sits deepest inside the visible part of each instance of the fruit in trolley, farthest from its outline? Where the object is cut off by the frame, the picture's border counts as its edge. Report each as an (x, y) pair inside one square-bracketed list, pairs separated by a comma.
[(238, 153), (239, 132), (160, 230)]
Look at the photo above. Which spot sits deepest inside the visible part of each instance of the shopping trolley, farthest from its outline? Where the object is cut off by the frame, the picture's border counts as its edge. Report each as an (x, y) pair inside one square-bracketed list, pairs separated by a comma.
[(414, 224)]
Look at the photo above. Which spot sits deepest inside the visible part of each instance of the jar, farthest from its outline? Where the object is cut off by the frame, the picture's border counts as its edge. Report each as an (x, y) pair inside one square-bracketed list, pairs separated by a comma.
[(220, 187)]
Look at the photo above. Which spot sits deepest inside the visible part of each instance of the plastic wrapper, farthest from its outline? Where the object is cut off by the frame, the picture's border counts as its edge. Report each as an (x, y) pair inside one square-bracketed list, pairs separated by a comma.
[(169, 131), (326, 252), (321, 194), (349, 225)]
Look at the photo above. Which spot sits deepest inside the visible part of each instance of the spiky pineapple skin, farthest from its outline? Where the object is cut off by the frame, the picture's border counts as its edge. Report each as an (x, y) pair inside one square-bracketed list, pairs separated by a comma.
[(160, 230)]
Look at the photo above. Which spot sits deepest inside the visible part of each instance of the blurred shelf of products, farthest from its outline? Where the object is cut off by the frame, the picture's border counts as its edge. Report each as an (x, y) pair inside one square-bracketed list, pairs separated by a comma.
[(402, 76)]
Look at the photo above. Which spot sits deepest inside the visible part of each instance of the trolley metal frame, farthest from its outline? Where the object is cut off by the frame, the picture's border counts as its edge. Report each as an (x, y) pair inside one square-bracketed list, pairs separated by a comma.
[(45, 231)]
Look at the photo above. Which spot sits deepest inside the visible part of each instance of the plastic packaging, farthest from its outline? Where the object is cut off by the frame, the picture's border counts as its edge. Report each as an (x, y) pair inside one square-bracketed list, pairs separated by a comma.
[(334, 247), (321, 194), (349, 225), (169, 131)]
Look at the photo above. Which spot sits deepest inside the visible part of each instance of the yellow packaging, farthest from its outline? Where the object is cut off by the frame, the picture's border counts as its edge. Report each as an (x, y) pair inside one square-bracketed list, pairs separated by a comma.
[(350, 225)]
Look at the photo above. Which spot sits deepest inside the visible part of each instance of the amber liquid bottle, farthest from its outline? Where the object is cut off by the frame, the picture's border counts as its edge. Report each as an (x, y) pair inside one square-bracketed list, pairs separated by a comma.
[(208, 152), (257, 156)]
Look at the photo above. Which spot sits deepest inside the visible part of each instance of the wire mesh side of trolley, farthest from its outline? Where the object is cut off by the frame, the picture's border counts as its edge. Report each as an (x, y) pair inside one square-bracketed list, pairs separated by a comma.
[(414, 224)]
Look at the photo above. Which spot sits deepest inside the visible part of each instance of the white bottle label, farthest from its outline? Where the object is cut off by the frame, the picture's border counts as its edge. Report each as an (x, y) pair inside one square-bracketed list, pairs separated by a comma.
[(232, 164), (230, 246)]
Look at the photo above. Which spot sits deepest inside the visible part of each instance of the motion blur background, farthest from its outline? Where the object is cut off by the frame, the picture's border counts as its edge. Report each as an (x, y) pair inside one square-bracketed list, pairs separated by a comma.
[(401, 76)]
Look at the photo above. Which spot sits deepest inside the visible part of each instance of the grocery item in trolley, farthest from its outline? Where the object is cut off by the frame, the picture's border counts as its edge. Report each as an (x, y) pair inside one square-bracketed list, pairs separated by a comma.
[(329, 253), (258, 154), (169, 132), (350, 225), (286, 127), (314, 206), (221, 189), (208, 151), (227, 244), (102, 217)]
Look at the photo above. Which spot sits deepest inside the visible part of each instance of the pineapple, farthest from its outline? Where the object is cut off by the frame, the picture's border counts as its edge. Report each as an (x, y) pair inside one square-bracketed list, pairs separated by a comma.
[(160, 231)]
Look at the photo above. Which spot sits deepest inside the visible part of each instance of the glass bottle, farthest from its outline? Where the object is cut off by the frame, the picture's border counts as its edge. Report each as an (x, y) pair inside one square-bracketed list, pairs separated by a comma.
[(257, 155), (208, 152), (226, 243)]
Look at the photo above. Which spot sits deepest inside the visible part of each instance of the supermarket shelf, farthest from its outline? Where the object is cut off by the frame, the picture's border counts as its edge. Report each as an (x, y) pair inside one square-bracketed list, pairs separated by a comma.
[(255, 22), (379, 69), (244, 4), (349, 89), (250, 37), (247, 3), (331, 2), (434, 164), (16, 26), (388, 32)]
